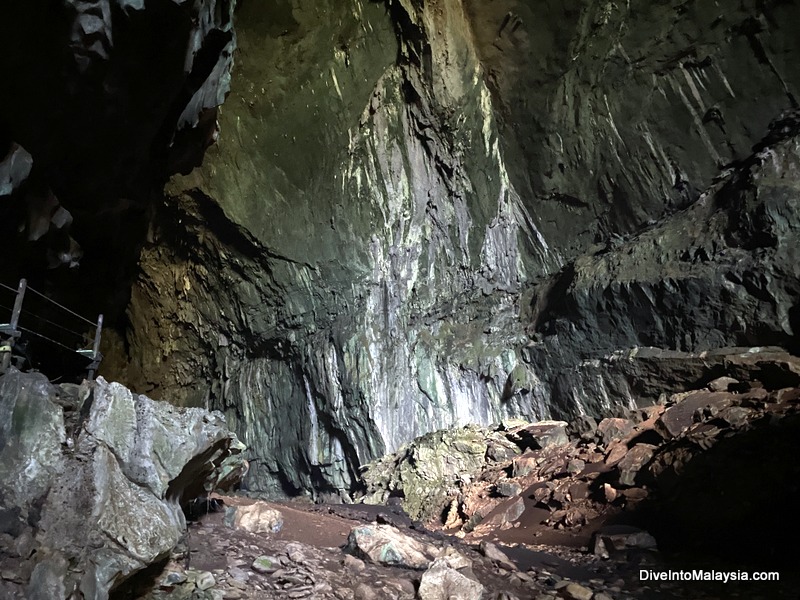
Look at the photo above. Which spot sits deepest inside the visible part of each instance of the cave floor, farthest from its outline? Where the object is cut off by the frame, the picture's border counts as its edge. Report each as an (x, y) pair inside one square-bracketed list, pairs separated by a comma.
[(308, 561)]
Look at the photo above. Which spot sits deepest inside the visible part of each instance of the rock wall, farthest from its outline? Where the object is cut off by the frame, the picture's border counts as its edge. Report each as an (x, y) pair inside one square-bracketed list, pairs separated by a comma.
[(427, 215), (416, 215), (102, 100)]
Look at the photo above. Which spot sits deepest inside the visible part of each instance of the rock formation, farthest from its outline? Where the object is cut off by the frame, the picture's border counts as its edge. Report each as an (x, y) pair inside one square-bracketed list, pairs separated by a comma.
[(92, 479), (487, 212), (691, 469), (415, 215)]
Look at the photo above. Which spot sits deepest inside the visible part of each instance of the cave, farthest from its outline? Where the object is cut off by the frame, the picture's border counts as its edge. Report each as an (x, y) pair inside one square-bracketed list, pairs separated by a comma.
[(347, 225)]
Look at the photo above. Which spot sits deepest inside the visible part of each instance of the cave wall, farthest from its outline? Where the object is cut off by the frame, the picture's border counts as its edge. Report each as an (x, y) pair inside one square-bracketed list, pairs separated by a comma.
[(373, 220), (423, 215), (419, 215), (101, 102)]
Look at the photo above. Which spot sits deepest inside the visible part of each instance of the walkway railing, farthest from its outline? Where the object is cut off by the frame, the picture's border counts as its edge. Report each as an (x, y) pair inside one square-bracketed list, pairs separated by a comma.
[(64, 338)]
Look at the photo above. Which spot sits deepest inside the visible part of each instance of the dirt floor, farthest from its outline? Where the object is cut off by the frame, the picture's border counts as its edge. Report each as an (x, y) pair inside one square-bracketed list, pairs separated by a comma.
[(305, 559)]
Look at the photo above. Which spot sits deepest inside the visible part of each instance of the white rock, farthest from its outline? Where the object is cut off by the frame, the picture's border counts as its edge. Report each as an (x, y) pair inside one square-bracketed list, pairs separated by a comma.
[(444, 582), (255, 518)]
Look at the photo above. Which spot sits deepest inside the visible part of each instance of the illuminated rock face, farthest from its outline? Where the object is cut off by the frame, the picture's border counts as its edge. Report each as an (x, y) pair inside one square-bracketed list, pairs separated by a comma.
[(420, 215)]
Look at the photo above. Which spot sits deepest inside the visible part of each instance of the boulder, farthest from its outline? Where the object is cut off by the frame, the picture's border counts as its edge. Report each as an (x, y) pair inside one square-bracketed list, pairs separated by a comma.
[(613, 429), (616, 539), (616, 452), (583, 427), (266, 564), (386, 545), (547, 433), (678, 418), (508, 488), (129, 463), (258, 517), (450, 577), (722, 384), (431, 468), (525, 465), (636, 458)]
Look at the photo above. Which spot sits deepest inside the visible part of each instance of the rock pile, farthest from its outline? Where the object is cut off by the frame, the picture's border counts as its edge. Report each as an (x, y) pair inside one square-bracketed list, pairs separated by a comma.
[(573, 477)]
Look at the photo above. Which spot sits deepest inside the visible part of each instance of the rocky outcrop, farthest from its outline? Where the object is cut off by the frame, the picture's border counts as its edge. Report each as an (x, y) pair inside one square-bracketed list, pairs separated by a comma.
[(416, 215), (92, 479), (425, 473)]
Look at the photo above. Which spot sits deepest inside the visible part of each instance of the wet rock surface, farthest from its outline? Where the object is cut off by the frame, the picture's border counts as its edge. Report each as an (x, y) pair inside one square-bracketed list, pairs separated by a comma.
[(422, 215), (587, 523)]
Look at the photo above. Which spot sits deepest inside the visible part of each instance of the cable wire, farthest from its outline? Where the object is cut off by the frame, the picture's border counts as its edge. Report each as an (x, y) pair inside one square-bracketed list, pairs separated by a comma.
[(52, 341), (9, 288), (53, 323), (40, 294)]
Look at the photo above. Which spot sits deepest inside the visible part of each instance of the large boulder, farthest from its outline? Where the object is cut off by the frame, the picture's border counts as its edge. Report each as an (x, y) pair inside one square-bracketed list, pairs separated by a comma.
[(386, 545), (450, 577), (97, 478), (430, 469)]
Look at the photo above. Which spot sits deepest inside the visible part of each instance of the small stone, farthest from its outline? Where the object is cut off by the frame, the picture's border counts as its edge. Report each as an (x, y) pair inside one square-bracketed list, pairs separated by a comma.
[(610, 493), (508, 489), (266, 564), (722, 384), (296, 552), (497, 556), (173, 578), (602, 596), (205, 581), (352, 563), (575, 591), (634, 494), (237, 574), (15, 577), (365, 592), (575, 466)]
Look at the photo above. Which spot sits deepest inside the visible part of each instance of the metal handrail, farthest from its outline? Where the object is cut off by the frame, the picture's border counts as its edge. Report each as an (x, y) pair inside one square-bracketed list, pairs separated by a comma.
[(13, 331)]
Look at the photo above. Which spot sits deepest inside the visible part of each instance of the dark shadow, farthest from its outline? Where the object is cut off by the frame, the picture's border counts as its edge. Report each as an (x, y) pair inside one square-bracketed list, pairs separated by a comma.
[(733, 505), (140, 583)]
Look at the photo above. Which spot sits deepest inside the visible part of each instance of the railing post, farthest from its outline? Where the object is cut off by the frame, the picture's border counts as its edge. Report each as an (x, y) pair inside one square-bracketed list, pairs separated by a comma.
[(12, 329), (96, 357)]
